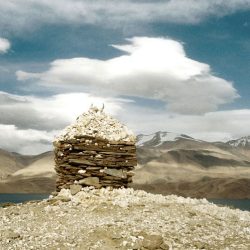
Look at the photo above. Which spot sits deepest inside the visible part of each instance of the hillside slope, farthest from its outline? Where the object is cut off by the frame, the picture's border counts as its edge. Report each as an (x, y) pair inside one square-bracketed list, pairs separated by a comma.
[(41, 167), (9, 163), (37, 177), (179, 164)]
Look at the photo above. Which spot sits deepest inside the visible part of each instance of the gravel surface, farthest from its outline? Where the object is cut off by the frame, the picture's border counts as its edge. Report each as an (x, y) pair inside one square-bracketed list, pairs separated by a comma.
[(122, 219), (96, 123)]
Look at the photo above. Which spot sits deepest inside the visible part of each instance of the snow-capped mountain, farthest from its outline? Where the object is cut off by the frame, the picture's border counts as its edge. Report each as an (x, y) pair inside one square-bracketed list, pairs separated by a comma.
[(243, 142), (159, 138)]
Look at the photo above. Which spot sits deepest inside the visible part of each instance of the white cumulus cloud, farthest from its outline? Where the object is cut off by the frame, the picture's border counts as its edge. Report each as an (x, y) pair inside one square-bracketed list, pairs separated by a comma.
[(4, 45), (153, 68)]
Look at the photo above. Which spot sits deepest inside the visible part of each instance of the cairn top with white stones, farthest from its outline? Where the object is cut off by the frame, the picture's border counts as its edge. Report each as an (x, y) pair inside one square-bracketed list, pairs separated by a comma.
[(96, 123)]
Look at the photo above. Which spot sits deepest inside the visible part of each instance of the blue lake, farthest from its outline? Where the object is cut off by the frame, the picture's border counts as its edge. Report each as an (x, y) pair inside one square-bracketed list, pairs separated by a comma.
[(19, 198), (243, 204)]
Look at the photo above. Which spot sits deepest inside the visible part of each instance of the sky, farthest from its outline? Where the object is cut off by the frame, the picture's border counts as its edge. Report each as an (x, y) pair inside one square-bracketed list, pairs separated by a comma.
[(177, 66)]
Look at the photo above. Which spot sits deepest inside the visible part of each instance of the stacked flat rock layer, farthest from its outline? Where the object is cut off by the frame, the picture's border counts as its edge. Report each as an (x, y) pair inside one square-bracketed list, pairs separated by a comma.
[(82, 159)]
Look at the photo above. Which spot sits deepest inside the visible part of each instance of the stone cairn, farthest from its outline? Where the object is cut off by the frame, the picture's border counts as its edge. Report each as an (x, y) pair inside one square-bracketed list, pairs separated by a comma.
[(96, 150)]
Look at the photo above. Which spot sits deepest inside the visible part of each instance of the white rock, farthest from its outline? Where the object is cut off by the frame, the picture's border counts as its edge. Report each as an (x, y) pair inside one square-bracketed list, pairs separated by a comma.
[(96, 123), (81, 171)]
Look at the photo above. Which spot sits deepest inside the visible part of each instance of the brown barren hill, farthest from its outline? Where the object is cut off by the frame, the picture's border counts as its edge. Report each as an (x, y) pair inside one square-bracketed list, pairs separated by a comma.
[(37, 177)]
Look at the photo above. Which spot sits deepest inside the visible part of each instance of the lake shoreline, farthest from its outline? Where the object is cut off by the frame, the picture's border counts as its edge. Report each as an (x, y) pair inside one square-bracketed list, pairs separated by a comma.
[(14, 198)]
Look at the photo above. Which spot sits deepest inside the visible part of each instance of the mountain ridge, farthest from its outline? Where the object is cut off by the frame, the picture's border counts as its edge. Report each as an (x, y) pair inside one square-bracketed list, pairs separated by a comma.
[(243, 142), (159, 136)]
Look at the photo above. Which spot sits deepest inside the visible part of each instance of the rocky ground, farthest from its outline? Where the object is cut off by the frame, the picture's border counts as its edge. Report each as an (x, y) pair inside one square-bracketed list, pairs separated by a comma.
[(122, 219)]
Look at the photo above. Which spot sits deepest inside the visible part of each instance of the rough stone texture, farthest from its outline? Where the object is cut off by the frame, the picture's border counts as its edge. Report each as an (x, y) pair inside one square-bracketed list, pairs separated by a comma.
[(152, 242), (74, 189), (116, 172), (123, 219), (90, 181), (96, 146)]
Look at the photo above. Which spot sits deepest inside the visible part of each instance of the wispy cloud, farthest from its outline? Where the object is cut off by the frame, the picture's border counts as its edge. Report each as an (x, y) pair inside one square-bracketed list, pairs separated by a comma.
[(153, 68), (112, 13), (4, 45)]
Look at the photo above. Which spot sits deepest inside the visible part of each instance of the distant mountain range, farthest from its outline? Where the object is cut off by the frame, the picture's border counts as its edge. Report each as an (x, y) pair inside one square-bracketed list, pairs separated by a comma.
[(170, 147), (167, 163), (27, 174), (180, 164), (243, 142), (11, 162), (162, 138)]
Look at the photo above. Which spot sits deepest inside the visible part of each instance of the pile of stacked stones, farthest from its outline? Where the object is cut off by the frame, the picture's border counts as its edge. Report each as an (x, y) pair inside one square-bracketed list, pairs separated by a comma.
[(96, 150)]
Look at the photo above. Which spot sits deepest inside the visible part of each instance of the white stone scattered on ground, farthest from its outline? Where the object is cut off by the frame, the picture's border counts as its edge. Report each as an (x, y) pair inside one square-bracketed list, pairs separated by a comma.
[(122, 219)]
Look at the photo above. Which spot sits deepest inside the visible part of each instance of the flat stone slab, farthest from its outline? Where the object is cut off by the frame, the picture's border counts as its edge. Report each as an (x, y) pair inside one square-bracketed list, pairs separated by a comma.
[(74, 189), (116, 172), (90, 181)]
